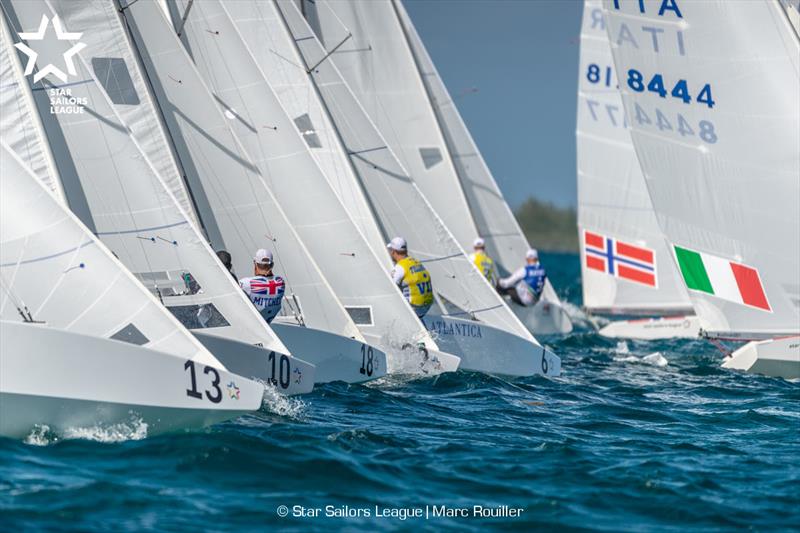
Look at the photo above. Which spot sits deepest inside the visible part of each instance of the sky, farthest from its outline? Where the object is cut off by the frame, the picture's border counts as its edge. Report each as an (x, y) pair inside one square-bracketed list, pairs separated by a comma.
[(522, 57)]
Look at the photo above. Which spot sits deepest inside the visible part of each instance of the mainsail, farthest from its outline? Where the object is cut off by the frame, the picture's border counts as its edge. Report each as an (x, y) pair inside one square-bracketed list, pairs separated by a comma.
[(710, 91), (398, 204), (613, 202), (238, 211), (131, 209), (54, 271), (286, 165), (379, 67)]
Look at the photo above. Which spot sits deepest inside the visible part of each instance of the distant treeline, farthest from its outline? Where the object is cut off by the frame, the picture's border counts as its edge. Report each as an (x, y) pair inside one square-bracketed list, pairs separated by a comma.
[(548, 227)]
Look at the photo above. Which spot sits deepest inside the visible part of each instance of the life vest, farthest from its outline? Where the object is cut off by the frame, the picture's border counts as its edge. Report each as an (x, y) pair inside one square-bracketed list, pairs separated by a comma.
[(485, 264), (416, 284), (534, 277), (266, 293)]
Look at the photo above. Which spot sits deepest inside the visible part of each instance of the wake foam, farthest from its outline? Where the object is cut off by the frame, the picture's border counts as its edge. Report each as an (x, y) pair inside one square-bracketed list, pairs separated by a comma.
[(653, 359), (134, 429), (279, 404)]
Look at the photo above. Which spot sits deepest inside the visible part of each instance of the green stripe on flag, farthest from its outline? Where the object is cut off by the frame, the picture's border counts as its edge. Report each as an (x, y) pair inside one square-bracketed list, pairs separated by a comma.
[(693, 270)]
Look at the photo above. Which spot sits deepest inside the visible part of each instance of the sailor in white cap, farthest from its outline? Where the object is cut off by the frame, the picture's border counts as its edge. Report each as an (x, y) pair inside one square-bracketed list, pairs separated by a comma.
[(525, 285), (411, 276), (264, 288), (482, 260)]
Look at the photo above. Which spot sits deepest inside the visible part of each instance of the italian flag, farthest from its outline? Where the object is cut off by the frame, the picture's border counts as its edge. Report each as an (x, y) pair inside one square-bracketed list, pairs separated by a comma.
[(723, 278)]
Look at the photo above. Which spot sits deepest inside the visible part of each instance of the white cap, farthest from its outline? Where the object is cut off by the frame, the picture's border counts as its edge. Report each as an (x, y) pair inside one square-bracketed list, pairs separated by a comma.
[(478, 243), (532, 254), (398, 244), (263, 257)]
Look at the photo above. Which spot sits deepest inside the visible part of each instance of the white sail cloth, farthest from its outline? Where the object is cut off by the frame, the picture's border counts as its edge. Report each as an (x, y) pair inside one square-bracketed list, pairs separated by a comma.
[(261, 27), (238, 210), (54, 271), (397, 202), (613, 201), (19, 122), (130, 208), (379, 67), (710, 91), (359, 280)]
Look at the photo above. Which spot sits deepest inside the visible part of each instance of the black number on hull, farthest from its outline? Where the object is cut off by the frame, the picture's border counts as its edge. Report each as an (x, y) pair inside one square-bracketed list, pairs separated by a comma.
[(367, 360), (193, 392), (281, 370)]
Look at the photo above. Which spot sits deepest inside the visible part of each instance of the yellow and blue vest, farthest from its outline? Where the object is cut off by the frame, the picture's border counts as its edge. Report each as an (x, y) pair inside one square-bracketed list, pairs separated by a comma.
[(485, 264), (416, 284)]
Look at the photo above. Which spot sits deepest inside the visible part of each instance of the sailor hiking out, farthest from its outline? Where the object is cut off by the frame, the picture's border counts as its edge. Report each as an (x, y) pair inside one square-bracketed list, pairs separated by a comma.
[(525, 285), (482, 260), (264, 288), (411, 276)]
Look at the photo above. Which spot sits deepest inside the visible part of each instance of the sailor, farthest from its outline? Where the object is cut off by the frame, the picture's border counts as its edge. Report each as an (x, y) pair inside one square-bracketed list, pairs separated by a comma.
[(411, 276), (265, 289), (481, 260), (525, 285), (226, 260)]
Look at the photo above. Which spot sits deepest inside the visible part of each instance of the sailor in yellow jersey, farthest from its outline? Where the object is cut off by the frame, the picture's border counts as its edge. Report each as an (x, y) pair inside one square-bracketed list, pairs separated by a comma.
[(481, 260), (411, 276)]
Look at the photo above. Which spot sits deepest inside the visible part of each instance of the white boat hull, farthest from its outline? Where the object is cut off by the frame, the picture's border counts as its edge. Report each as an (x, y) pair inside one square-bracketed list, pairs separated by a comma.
[(774, 357), (289, 375), (487, 349), (336, 358), (68, 381), (545, 318), (653, 328)]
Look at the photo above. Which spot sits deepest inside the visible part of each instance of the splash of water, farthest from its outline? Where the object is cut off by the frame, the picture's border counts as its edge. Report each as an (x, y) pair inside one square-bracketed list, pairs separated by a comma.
[(133, 429), (279, 404)]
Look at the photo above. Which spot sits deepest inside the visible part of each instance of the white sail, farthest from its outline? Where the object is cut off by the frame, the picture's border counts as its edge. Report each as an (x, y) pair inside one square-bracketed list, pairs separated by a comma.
[(613, 202), (238, 211), (131, 209), (495, 221), (19, 122), (54, 271), (398, 204), (710, 91), (359, 280), (262, 29), (379, 67)]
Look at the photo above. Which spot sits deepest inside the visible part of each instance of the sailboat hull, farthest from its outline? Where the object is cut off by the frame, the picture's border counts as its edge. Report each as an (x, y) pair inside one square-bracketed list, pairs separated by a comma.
[(653, 328), (774, 357), (68, 382), (545, 318), (288, 374), (412, 359), (336, 358), (487, 349)]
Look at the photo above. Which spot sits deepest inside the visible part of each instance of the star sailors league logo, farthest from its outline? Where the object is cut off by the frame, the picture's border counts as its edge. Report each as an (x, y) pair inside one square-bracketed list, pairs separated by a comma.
[(33, 56)]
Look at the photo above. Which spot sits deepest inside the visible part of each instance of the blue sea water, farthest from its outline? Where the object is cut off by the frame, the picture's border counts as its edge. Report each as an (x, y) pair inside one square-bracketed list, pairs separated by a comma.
[(623, 441)]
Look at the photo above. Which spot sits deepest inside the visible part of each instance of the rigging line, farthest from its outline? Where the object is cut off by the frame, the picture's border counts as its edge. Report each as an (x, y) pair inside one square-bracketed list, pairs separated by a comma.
[(17, 302), (185, 17), (327, 55)]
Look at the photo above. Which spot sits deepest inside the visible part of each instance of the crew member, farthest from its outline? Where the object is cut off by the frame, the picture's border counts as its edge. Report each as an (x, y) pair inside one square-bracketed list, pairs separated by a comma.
[(264, 289), (226, 260), (525, 285), (411, 276), (481, 260)]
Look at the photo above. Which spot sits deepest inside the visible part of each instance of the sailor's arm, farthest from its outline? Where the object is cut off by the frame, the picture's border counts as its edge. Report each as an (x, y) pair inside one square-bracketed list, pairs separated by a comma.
[(398, 273), (513, 279)]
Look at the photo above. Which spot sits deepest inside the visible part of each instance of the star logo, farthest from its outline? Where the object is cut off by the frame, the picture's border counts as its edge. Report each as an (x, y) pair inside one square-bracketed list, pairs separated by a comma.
[(233, 390), (61, 35), (298, 375)]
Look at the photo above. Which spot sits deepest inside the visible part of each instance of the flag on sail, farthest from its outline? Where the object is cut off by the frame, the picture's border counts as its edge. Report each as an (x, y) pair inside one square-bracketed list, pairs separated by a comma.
[(621, 259), (721, 277)]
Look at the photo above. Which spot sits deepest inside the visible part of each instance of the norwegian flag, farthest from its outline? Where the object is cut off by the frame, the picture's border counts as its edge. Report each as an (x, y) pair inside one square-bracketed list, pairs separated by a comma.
[(266, 286), (619, 259)]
